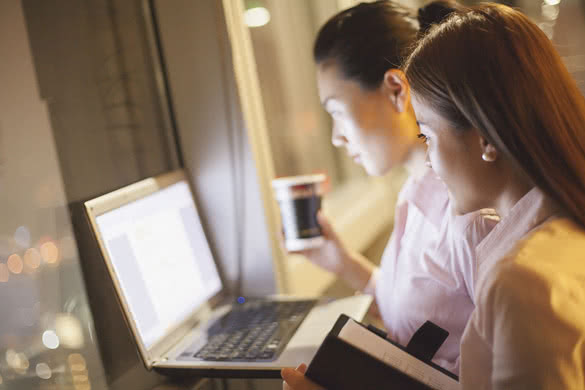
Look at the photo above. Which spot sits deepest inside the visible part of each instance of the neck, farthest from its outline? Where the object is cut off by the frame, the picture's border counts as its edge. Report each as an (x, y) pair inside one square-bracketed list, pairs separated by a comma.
[(514, 190), (415, 160)]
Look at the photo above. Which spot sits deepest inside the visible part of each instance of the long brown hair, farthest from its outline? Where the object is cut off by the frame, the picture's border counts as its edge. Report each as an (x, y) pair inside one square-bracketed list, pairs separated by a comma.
[(490, 68)]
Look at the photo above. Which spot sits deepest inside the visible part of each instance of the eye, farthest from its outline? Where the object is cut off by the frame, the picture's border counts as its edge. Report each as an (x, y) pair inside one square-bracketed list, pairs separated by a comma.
[(423, 137)]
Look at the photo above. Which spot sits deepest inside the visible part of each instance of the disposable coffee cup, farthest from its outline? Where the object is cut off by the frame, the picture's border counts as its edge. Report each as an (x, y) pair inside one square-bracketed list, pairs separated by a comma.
[(299, 199)]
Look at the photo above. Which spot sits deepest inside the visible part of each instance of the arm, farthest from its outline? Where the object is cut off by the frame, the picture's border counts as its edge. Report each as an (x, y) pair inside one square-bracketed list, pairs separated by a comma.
[(352, 267), (537, 338)]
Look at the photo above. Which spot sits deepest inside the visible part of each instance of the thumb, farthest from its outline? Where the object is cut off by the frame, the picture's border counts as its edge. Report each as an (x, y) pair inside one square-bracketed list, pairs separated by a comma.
[(302, 368), (295, 378), (291, 376)]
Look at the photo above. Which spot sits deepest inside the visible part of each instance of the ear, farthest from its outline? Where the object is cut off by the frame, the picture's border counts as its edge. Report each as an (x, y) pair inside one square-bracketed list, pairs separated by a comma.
[(396, 88), (489, 152)]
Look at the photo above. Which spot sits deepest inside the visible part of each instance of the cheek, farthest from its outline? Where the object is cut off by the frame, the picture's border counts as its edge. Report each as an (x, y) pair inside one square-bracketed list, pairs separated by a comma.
[(351, 130), (449, 166), (439, 163), (462, 175)]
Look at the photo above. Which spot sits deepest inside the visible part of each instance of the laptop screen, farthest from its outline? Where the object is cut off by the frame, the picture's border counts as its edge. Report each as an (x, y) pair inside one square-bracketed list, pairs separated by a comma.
[(158, 249)]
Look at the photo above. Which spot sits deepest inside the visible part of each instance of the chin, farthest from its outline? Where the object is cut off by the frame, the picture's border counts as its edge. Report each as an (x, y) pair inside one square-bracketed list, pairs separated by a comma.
[(458, 208), (375, 169)]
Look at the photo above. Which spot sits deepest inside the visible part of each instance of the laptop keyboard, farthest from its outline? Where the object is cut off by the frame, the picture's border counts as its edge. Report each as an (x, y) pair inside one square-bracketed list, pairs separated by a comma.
[(257, 330)]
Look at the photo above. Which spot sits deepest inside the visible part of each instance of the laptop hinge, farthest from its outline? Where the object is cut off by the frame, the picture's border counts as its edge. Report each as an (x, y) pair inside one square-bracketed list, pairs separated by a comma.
[(154, 362), (163, 356)]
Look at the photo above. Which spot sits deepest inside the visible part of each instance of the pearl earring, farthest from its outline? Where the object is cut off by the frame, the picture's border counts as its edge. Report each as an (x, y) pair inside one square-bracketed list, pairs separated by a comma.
[(488, 157)]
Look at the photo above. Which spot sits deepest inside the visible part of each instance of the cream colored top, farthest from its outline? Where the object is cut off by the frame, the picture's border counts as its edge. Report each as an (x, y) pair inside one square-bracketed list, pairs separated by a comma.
[(528, 328)]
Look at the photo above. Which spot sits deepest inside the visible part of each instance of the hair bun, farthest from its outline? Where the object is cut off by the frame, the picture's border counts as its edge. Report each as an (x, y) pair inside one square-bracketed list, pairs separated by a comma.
[(434, 13)]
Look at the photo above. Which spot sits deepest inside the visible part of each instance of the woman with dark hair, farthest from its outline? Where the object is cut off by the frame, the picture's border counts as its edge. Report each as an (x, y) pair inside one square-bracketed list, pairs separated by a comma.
[(504, 124), (427, 268)]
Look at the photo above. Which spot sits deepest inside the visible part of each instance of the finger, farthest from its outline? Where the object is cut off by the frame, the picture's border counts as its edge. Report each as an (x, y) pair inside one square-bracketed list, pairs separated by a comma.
[(302, 368), (292, 377), (287, 373), (326, 227), (303, 252), (296, 379)]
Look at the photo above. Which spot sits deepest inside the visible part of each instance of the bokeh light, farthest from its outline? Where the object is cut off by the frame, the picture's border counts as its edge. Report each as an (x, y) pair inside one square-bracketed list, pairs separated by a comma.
[(22, 236), (81, 382), (49, 252), (32, 258), (15, 264), (10, 357), (17, 361), (50, 339), (4, 273), (43, 371), (256, 17), (550, 12), (76, 362), (69, 331)]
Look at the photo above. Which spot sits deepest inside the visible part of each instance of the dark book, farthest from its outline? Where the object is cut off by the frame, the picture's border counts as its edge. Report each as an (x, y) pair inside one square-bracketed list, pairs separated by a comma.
[(354, 356)]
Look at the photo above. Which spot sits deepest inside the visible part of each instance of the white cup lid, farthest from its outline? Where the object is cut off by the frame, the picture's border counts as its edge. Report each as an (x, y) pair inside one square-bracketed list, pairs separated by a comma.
[(298, 180)]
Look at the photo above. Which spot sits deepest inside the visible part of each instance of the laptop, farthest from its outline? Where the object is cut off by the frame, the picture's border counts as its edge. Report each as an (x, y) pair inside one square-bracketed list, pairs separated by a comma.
[(173, 299)]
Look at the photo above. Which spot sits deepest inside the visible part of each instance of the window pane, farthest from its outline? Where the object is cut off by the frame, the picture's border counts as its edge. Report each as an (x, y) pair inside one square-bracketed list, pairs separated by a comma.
[(81, 115), (299, 128)]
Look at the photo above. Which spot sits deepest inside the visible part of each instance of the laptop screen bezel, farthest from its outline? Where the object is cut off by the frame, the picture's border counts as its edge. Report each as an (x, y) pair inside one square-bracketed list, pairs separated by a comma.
[(118, 198)]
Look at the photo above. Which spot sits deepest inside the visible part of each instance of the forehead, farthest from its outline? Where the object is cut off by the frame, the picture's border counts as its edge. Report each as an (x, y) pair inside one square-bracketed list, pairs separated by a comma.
[(423, 111), (332, 85)]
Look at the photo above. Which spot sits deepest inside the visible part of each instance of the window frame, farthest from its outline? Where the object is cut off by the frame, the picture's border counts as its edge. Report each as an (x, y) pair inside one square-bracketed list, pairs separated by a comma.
[(360, 209)]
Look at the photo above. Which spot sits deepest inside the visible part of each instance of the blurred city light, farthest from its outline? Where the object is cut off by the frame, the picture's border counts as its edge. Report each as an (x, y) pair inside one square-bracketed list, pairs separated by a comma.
[(22, 236), (49, 252), (50, 339), (256, 17), (4, 273), (32, 258), (15, 264), (69, 331), (43, 371)]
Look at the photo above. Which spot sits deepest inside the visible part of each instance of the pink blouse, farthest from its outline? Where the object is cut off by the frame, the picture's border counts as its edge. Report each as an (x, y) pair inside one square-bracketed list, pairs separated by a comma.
[(428, 266)]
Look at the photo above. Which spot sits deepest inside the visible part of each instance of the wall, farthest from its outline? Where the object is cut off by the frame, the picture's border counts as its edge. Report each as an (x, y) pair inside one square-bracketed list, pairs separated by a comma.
[(214, 140)]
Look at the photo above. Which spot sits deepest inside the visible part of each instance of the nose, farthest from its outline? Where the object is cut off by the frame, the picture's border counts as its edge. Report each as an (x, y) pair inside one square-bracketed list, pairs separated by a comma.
[(427, 160), (337, 138)]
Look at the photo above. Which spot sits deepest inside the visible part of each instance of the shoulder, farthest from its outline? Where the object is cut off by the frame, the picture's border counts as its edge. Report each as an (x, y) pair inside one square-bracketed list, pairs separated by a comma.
[(530, 311), (475, 226), (543, 274), (559, 242), (427, 193), (424, 184)]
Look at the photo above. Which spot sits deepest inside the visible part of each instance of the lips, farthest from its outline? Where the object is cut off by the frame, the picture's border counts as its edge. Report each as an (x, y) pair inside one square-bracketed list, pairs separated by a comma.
[(354, 156)]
